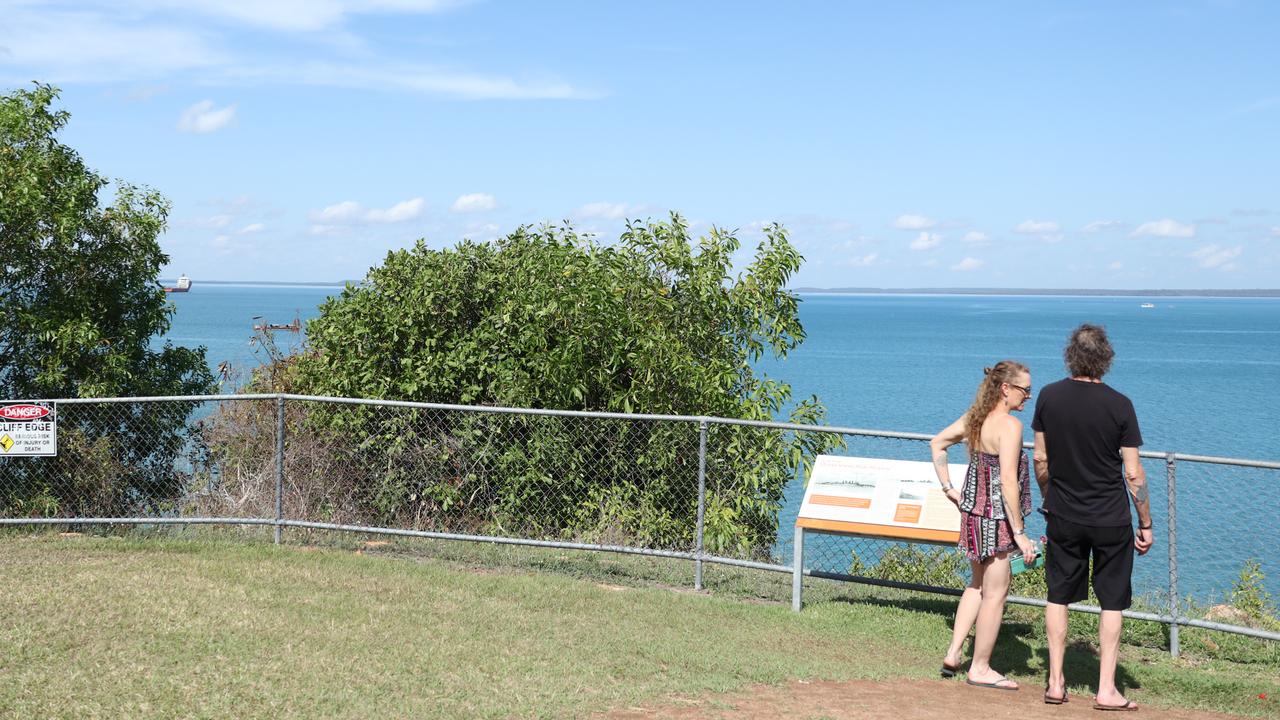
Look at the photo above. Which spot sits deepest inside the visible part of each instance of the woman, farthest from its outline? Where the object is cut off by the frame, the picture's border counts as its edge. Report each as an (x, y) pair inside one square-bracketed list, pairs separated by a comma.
[(997, 479)]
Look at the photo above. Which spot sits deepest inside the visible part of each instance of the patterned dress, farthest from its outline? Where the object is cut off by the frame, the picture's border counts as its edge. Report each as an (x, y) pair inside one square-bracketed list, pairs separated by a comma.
[(984, 527)]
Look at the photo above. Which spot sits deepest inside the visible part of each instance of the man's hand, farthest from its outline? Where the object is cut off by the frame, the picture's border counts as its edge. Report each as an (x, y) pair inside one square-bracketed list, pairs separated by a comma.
[(1143, 540)]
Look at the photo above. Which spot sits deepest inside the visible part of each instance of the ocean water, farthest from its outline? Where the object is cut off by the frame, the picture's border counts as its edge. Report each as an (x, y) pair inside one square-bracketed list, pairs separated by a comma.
[(1203, 374)]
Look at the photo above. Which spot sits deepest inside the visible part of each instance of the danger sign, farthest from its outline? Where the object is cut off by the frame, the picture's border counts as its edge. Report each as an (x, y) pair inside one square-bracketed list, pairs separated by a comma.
[(28, 429)]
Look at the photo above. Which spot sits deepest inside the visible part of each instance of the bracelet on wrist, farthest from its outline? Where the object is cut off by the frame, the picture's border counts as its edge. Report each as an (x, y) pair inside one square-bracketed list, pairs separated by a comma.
[(1146, 527), (1023, 531)]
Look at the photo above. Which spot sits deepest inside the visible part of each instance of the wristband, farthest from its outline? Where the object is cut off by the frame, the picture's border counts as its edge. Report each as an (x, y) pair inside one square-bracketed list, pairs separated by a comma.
[(1146, 527), (1022, 532)]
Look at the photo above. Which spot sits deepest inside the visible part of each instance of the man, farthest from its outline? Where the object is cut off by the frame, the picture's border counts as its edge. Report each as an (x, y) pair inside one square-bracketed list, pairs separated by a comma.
[(1086, 456)]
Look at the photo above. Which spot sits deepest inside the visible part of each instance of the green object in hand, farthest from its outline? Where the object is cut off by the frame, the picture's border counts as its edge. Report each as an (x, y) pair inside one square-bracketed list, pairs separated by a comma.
[(1017, 564)]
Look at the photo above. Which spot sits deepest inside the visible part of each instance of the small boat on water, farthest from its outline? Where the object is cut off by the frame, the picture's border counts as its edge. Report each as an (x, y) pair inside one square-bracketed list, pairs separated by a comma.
[(1148, 305), (295, 326), (183, 285)]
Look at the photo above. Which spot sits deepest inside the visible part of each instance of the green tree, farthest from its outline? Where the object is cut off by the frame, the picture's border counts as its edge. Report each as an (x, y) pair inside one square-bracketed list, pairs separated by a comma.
[(656, 322), (79, 307)]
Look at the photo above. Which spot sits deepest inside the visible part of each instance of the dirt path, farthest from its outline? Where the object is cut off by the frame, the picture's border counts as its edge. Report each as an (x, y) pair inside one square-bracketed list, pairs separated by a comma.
[(898, 700)]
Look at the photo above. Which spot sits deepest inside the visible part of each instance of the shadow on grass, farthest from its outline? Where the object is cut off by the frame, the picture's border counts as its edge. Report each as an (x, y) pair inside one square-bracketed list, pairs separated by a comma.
[(1020, 648), (1080, 665)]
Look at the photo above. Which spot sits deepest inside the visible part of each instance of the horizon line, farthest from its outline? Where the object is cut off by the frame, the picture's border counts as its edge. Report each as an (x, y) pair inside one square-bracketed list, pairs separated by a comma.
[(1157, 292)]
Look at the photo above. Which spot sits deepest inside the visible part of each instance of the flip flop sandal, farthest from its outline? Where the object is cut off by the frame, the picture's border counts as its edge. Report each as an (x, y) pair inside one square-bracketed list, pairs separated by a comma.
[(949, 671), (1129, 706), (1051, 700), (995, 685)]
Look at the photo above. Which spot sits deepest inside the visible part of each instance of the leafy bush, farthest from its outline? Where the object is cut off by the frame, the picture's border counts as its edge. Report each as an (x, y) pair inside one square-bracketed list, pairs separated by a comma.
[(81, 305), (547, 318)]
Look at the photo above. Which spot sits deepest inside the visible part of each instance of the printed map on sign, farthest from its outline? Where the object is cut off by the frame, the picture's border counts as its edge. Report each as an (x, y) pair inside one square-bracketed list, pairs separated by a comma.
[(897, 499)]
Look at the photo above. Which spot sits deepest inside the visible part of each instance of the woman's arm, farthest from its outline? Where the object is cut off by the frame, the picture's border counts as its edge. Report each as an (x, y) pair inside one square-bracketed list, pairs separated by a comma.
[(950, 435), (1009, 439)]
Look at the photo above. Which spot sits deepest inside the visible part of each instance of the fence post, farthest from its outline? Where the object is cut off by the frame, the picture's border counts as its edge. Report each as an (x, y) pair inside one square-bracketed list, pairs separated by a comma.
[(279, 466), (1171, 471), (702, 502)]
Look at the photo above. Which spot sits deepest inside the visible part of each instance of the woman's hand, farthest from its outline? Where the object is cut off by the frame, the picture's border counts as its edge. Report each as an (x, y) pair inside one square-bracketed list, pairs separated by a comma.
[(953, 495), (1027, 547)]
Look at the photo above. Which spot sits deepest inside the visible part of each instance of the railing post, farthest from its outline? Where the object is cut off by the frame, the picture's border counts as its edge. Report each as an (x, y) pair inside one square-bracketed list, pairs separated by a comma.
[(279, 467), (797, 570), (1171, 471), (702, 502)]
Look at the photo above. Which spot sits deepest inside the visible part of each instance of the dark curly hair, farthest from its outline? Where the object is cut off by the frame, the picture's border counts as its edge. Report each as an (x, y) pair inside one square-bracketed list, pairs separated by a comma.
[(1088, 352)]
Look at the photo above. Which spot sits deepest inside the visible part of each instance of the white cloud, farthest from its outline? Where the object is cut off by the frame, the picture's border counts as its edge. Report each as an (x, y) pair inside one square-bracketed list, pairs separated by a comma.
[(149, 40), (204, 118), (914, 222), (474, 202), (91, 45), (425, 79), (401, 211), (975, 237), (345, 211), (1036, 227), (926, 241), (350, 212), (213, 221), (251, 228), (607, 210), (1104, 225), (967, 264), (291, 15), (1164, 228), (1116, 265), (1214, 256), (863, 260), (1275, 232)]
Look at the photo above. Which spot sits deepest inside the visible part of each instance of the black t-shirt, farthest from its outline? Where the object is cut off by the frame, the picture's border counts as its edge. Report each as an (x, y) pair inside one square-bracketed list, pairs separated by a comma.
[(1085, 424)]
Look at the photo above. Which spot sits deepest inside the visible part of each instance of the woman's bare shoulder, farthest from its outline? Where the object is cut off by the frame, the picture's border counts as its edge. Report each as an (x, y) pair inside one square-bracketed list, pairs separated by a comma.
[(1005, 425)]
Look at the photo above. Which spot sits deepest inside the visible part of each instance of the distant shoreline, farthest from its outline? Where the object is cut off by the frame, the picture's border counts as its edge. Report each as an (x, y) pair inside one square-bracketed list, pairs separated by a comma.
[(1243, 293), (265, 283), (1206, 293)]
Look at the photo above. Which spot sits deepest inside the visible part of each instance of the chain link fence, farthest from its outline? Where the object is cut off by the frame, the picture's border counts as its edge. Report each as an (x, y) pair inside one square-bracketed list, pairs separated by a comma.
[(698, 488)]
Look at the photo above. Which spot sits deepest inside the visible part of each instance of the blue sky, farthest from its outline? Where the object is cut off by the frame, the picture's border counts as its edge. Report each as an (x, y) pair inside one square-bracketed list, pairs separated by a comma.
[(940, 144)]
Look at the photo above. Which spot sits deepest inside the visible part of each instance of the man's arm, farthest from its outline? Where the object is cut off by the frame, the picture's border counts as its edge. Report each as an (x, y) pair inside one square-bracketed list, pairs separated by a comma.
[(1136, 476), (1041, 457)]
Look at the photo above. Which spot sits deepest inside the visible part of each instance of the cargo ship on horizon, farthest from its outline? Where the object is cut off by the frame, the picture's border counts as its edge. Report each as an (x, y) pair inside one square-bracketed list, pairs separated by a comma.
[(183, 285)]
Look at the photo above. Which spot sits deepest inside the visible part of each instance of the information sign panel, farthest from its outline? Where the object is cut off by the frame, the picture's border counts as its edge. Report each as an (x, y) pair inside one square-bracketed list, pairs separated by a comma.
[(28, 428), (873, 497)]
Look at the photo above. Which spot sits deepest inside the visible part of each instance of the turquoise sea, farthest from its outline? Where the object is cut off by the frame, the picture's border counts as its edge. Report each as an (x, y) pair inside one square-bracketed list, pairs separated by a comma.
[(1203, 374)]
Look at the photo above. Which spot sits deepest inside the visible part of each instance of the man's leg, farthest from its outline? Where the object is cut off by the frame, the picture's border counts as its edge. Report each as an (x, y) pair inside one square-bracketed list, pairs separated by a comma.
[(1113, 584), (1108, 653), (1055, 624), (1067, 577)]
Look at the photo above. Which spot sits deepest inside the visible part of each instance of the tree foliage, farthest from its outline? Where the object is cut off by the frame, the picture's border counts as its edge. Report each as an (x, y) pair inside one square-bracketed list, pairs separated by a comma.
[(79, 300), (656, 322)]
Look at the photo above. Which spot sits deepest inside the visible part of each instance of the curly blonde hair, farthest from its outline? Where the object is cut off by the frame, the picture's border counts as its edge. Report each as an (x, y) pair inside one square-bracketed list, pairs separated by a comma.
[(1005, 371)]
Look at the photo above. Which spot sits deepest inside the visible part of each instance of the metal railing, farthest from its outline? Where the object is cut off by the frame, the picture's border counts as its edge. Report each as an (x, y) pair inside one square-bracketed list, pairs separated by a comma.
[(695, 488)]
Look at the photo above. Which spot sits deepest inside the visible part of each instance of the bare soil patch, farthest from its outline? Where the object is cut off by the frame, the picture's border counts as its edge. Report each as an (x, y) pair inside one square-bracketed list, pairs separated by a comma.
[(895, 700)]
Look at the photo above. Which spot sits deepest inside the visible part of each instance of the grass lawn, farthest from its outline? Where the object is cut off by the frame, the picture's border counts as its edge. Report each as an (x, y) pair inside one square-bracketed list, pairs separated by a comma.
[(217, 626)]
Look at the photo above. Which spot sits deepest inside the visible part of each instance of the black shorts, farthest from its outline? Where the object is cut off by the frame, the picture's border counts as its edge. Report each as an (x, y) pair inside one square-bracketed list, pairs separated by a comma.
[(1067, 563)]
